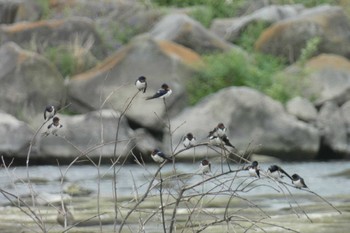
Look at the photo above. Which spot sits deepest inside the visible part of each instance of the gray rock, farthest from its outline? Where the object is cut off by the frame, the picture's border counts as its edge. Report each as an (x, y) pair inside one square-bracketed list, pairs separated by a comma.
[(78, 32), (184, 30), (302, 108), (254, 122), (90, 135), (12, 11), (332, 128), (29, 82), (230, 29), (326, 22), (345, 110), (15, 135), (145, 143), (112, 82), (325, 77)]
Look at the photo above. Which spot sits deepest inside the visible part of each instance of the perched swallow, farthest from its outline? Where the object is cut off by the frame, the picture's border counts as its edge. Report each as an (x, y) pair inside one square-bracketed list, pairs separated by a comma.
[(219, 130), (215, 141), (159, 156), (53, 127), (141, 84), (253, 169), (49, 112), (226, 141), (189, 140), (276, 172), (162, 93), (205, 166), (298, 181)]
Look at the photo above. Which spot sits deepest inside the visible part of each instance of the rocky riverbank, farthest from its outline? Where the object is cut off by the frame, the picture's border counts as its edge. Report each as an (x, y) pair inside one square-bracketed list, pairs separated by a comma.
[(166, 45)]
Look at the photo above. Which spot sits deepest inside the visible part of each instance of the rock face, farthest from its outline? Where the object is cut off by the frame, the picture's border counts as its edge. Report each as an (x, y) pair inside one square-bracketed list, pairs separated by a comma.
[(231, 28), (324, 78), (333, 131), (28, 82), (112, 82), (92, 134), (183, 30), (329, 23), (302, 108), (53, 33), (250, 117), (15, 135)]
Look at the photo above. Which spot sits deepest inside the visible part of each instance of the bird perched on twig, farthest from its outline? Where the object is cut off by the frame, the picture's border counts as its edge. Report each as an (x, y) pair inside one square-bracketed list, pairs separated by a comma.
[(205, 166), (219, 130), (141, 84), (189, 140), (64, 217), (226, 141), (53, 127), (49, 112), (162, 93), (159, 157), (298, 181), (254, 169), (276, 172)]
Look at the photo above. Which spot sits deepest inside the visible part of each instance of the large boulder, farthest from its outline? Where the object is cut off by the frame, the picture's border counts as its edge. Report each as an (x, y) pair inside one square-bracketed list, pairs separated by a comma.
[(184, 30), (112, 82), (302, 108), (331, 124), (29, 82), (231, 28), (287, 38), (78, 32), (89, 135), (325, 77), (15, 136), (254, 121)]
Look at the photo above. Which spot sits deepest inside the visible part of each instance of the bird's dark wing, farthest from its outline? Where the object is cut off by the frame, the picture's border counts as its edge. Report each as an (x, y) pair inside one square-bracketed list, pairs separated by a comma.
[(161, 154), (258, 172), (227, 141), (49, 126), (144, 90), (45, 114), (158, 94), (284, 172)]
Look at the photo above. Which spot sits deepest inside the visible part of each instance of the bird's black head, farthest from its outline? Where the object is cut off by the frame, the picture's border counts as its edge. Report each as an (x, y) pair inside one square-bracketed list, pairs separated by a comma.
[(142, 78), (165, 86), (295, 177), (155, 151), (49, 108), (273, 168), (255, 163), (55, 119), (189, 136), (221, 125), (205, 162)]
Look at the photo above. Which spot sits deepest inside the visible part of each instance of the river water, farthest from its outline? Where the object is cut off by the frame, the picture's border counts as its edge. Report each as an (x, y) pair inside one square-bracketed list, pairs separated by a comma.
[(132, 177)]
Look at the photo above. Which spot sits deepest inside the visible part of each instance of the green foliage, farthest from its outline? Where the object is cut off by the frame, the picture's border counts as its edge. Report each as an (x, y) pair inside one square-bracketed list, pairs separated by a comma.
[(215, 8), (309, 50), (307, 3), (236, 69), (64, 60), (250, 34), (45, 6)]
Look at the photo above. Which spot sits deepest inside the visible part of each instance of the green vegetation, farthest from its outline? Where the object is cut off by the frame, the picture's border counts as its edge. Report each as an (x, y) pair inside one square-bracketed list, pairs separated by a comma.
[(310, 50), (236, 69), (250, 34), (212, 8), (63, 59)]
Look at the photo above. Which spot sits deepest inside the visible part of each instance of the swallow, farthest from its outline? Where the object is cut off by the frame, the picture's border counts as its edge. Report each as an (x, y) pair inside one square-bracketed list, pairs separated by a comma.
[(49, 112), (141, 84), (159, 157), (253, 169), (205, 166), (162, 93), (53, 127), (276, 172), (219, 130), (298, 181), (189, 140), (226, 141), (215, 141)]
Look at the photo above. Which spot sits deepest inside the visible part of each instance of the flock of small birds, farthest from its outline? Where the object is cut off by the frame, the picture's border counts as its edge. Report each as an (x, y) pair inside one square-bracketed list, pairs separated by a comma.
[(216, 137)]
